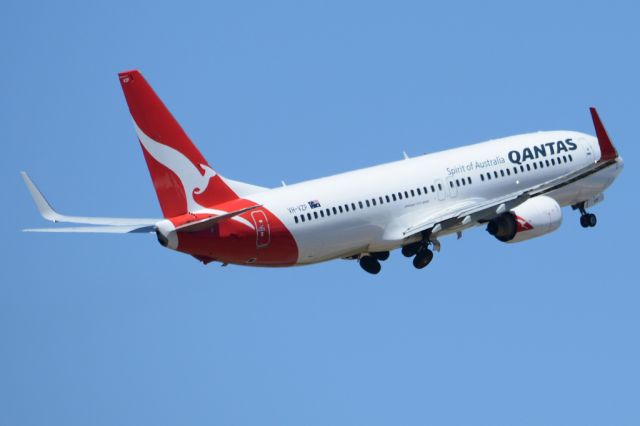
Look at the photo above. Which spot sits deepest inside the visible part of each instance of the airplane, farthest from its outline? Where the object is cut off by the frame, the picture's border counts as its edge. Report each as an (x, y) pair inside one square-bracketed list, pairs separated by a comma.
[(515, 187)]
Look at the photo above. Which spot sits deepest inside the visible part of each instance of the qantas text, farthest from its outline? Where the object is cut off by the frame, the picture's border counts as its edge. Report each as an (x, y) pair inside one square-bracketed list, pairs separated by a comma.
[(542, 150)]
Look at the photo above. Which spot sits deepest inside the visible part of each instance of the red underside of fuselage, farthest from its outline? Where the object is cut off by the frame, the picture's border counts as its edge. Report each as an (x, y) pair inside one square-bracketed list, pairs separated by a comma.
[(266, 243)]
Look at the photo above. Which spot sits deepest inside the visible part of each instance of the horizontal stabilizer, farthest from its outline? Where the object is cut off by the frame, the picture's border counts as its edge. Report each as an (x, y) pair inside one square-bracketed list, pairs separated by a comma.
[(208, 222), (49, 213)]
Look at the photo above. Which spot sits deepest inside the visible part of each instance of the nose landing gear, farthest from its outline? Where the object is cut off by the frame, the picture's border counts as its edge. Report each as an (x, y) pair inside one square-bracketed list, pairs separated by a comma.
[(587, 220)]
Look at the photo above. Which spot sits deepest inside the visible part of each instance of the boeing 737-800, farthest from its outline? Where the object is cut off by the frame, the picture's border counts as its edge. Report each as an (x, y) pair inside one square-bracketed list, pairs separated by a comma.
[(514, 186)]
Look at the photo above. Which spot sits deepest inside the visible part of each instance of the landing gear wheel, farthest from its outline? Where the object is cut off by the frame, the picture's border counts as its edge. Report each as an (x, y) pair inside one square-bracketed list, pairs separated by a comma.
[(411, 249), (588, 220), (583, 221), (380, 255), (370, 264), (423, 258)]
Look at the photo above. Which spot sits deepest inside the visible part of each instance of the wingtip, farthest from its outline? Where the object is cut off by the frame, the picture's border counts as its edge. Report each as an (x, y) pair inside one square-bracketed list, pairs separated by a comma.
[(45, 209), (607, 150)]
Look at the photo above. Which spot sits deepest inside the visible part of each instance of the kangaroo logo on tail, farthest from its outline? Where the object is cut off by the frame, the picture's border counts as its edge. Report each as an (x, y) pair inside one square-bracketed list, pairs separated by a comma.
[(194, 182)]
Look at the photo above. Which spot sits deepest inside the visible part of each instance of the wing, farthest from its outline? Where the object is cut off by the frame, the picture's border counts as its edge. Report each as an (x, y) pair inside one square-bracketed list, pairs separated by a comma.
[(99, 229), (479, 211), (113, 224)]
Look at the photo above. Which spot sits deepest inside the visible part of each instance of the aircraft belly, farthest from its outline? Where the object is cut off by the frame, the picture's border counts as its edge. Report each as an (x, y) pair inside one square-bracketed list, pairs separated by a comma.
[(330, 241), (587, 187)]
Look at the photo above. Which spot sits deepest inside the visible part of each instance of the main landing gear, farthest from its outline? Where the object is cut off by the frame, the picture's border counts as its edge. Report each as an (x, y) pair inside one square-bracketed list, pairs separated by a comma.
[(420, 250), (587, 220), (371, 262)]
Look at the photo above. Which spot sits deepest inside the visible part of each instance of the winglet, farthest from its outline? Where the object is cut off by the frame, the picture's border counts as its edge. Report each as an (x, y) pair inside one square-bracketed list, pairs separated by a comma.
[(42, 204), (607, 150)]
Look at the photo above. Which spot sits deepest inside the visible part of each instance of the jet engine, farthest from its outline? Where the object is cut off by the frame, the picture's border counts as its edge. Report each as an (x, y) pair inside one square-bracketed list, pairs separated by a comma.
[(533, 218)]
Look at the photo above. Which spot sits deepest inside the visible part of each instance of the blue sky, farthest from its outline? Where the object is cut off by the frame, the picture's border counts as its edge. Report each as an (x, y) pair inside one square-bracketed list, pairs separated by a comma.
[(103, 330)]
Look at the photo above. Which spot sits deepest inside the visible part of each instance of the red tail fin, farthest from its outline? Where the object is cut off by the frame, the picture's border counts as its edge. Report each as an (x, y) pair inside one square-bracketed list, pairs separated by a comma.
[(183, 180)]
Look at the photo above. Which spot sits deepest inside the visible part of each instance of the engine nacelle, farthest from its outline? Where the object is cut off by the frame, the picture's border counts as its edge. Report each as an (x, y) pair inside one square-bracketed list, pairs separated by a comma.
[(533, 218)]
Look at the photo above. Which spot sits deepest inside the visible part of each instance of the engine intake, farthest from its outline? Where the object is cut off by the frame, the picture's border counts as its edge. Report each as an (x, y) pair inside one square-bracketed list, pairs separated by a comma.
[(533, 218)]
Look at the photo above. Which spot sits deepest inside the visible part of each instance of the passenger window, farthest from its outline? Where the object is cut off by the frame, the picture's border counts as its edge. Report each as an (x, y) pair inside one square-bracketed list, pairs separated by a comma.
[(502, 173), (495, 174), (360, 204), (482, 177), (508, 172), (515, 170), (315, 214), (440, 186), (451, 183), (488, 175), (425, 190), (413, 194), (373, 201), (388, 200), (346, 207), (381, 200), (367, 201), (547, 162), (535, 166), (406, 194), (335, 211), (570, 157), (521, 168), (541, 164), (309, 216), (353, 206), (528, 167), (394, 197), (302, 217), (553, 161), (295, 218), (400, 195), (322, 213), (340, 209), (469, 180)]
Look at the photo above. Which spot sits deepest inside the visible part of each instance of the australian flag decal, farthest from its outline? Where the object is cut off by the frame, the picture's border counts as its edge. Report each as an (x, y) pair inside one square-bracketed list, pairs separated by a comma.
[(314, 204)]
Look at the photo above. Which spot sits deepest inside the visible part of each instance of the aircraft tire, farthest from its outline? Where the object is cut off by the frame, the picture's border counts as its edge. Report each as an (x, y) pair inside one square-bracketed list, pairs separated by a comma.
[(370, 264), (422, 259)]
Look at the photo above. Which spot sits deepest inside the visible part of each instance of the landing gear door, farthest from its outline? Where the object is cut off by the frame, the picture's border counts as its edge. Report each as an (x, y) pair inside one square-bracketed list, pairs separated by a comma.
[(263, 232)]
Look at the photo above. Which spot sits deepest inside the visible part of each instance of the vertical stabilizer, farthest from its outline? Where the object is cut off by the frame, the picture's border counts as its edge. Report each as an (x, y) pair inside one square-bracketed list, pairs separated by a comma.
[(183, 179)]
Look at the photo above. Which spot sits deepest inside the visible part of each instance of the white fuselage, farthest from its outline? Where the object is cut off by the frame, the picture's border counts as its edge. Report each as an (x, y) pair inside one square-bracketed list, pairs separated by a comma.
[(452, 178)]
